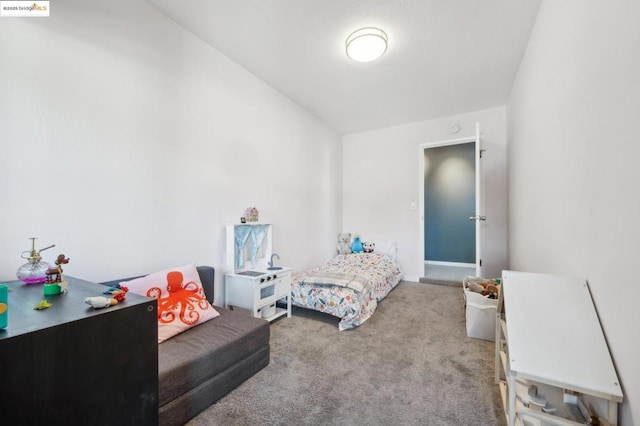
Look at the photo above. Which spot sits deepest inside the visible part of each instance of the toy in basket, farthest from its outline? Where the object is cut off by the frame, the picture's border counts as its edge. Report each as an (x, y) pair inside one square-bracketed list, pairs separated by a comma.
[(485, 287)]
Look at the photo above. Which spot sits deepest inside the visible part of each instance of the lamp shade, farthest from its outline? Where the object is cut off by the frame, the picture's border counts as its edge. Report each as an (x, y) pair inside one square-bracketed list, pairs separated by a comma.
[(366, 44)]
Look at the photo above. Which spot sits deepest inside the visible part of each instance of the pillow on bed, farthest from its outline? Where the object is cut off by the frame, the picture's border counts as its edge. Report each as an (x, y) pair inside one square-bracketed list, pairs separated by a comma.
[(181, 299), (386, 247)]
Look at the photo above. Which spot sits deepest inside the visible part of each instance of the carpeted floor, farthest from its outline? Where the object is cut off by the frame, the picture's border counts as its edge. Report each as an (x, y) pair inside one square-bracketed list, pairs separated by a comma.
[(409, 364), (446, 275)]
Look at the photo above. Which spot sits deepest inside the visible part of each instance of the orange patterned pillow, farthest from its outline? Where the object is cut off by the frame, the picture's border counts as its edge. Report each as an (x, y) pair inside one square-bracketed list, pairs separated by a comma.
[(181, 299)]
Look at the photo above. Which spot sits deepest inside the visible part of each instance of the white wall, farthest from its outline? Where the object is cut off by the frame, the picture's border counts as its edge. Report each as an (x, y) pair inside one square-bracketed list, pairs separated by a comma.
[(129, 143), (573, 164), (382, 178)]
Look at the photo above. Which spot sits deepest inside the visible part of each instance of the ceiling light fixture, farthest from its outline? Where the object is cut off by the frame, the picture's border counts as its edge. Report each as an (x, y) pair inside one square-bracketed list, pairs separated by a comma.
[(366, 44)]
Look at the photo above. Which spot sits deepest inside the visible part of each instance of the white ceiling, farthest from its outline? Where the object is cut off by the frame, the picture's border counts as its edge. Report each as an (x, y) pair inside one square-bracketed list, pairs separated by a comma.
[(445, 57)]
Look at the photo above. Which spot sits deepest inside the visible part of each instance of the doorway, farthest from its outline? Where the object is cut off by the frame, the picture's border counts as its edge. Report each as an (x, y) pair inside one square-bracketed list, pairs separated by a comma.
[(449, 198)]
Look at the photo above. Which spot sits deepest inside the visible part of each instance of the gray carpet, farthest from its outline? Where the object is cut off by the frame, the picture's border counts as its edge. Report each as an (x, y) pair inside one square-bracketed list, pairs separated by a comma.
[(409, 364), (446, 274)]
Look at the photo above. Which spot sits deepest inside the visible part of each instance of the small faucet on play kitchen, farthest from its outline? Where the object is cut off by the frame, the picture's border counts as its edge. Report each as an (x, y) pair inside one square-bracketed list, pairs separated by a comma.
[(272, 256)]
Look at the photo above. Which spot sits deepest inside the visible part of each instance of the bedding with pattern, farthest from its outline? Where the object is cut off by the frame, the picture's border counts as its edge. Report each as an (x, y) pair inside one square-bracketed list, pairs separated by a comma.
[(349, 286)]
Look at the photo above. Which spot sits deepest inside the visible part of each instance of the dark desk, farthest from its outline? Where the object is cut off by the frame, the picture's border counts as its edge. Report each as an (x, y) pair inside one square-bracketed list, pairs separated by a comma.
[(74, 364)]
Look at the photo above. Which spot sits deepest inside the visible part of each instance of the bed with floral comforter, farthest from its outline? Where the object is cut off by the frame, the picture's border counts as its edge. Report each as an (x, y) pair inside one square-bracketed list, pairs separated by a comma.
[(375, 274)]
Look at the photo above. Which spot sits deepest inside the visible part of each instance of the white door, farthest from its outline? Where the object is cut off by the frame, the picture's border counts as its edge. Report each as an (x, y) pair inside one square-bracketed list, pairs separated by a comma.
[(479, 217), (477, 214)]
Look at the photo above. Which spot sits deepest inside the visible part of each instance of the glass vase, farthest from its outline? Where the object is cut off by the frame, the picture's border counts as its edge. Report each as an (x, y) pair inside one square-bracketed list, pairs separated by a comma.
[(33, 273)]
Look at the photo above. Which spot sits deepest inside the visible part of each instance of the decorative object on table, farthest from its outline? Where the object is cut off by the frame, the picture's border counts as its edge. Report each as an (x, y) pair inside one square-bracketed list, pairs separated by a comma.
[(98, 302), (118, 292), (368, 247), (356, 247), (34, 271), (243, 219), (252, 214), (344, 239), (43, 304), (4, 307), (54, 283)]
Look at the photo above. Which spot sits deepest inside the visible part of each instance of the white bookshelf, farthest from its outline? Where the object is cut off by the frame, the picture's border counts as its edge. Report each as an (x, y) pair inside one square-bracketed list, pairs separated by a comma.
[(548, 334)]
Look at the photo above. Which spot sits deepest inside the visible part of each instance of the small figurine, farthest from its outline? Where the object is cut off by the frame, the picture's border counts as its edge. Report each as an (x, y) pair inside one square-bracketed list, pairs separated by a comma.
[(43, 304), (54, 275), (118, 292), (251, 214), (100, 302), (54, 284)]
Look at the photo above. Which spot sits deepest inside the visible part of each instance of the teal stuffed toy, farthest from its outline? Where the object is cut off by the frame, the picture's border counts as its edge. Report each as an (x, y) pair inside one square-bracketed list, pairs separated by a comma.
[(356, 247)]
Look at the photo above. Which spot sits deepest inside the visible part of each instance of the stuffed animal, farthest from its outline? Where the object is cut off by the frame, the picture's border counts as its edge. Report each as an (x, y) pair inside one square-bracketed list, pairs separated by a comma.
[(368, 247), (356, 247), (100, 302), (488, 288), (343, 243)]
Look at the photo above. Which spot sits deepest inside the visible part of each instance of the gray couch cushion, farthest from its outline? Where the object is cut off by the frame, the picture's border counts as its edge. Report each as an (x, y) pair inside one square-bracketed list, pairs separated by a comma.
[(206, 350)]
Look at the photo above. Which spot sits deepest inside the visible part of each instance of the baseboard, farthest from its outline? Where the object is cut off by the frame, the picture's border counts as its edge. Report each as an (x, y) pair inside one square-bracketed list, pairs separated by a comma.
[(452, 283), (411, 278), (456, 264)]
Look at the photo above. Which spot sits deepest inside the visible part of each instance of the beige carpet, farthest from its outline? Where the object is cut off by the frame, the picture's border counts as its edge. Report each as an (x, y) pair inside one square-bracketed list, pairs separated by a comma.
[(410, 364)]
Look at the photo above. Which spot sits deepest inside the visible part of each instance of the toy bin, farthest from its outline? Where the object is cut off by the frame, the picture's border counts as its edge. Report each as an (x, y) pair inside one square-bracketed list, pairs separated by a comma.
[(480, 312)]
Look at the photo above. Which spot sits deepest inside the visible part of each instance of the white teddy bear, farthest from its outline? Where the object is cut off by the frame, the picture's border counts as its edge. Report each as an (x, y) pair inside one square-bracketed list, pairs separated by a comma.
[(344, 246)]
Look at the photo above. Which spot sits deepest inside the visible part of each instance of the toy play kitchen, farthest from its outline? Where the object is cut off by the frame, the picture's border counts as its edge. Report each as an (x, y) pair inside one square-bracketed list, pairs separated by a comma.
[(252, 281)]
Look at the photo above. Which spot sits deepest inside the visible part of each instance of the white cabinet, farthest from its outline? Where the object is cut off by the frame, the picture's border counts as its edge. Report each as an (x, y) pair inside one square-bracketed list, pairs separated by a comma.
[(548, 336)]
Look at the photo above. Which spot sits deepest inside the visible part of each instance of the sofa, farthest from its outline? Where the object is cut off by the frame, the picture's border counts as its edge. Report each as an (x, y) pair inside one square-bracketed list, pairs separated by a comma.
[(204, 363)]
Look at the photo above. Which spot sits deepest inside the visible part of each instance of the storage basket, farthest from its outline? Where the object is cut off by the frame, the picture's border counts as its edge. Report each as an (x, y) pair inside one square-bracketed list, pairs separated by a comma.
[(268, 310), (480, 312)]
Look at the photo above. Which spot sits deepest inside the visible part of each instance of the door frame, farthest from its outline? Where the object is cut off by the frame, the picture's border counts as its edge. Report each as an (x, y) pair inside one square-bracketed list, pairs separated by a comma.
[(476, 140)]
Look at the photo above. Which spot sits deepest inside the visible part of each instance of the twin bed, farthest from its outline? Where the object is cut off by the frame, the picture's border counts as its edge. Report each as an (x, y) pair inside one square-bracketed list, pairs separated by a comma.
[(349, 286)]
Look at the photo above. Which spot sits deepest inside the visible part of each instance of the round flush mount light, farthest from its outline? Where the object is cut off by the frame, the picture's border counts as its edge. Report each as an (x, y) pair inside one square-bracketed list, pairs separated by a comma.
[(366, 44)]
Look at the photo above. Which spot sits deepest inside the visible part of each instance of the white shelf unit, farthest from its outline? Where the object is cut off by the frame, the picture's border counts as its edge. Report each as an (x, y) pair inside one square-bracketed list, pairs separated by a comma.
[(261, 290), (548, 335)]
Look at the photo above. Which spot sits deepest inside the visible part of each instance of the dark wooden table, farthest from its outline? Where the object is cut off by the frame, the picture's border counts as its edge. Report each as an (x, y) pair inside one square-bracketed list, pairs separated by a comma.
[(73, 364)]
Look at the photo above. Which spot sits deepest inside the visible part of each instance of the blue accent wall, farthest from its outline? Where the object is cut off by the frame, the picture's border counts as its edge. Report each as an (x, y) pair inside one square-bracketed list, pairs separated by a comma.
[(449, 198)]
